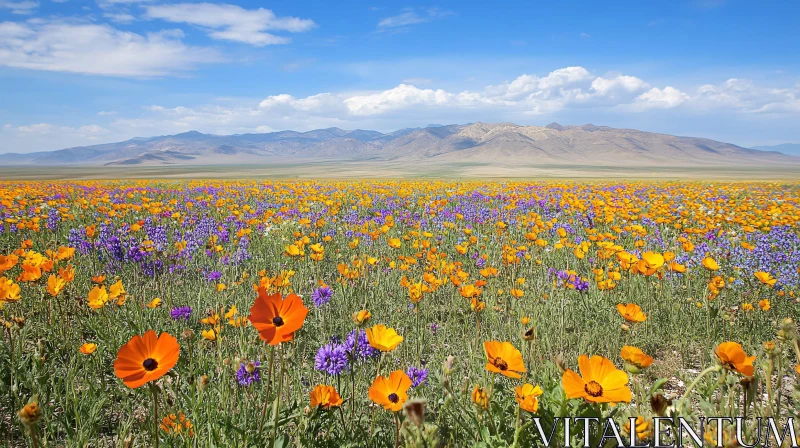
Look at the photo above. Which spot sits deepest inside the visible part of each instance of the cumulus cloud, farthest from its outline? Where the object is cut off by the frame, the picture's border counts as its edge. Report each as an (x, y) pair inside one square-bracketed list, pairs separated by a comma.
[(529, 94), (19, 7), (743, 94), (98, 49), (569, 91), (231, 22), (665, 98)]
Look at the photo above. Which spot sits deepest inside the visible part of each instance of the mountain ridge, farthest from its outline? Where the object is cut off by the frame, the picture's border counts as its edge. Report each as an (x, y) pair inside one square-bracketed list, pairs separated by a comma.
[(482, 143), (791, 149)]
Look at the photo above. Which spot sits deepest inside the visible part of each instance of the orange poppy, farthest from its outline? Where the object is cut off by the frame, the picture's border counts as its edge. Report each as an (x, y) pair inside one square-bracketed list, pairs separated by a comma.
[(526, 396), (361, 317), (599, 382), (766, 278), (504, 358), (325, 396), (631, 312), (276, 318), (710, 264), (635, 357), (641, 426), (732, 356), (382, 338), (55, 284), (480, 398), (146, 358), (390, 392), (88, 348)]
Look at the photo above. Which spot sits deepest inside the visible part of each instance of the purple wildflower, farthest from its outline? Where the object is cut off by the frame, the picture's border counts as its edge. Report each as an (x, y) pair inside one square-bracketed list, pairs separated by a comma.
[(419, 376), (248, 373), (322, 295), (331, 359), (362, 348), (181, 312)]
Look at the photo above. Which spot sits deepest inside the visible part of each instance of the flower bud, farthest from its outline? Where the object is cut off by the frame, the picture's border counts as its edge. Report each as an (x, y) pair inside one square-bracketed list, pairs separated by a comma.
[(30, 413), (529, 334), (448, 364), (415, 410), (659, 404), (560, 363), (188, 334), (203, 381)]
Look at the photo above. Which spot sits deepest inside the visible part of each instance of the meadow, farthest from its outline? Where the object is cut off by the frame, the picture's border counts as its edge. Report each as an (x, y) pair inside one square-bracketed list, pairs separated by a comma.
[(391, 313)]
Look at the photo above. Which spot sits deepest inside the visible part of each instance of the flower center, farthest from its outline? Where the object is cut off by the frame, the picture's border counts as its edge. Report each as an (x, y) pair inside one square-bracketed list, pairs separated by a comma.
[(729, 365), (277, 321), (593, 388), (500, 363), (393, 397), (150, 364)]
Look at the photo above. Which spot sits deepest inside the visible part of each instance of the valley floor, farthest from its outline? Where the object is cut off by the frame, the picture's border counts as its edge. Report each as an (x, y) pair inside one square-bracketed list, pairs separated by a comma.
[(391, 170)]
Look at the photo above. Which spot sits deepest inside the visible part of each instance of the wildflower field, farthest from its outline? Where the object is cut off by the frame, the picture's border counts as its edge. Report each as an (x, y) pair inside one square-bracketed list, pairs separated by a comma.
[(391, 313)]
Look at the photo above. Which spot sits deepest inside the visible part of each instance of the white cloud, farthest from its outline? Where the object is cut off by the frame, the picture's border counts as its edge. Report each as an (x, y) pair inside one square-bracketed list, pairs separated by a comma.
[(90, 132), (231, 22), (39, 128), (104, 113), (119, 17), (19, 7), (98, 49), (562, 89), (665, 98), (574, 94), (743, 94), (404, 19), (412, 17)]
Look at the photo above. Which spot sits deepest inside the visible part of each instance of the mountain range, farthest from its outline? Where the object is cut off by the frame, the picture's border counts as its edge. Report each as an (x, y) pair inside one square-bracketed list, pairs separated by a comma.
[(792, 149), (480, 143)]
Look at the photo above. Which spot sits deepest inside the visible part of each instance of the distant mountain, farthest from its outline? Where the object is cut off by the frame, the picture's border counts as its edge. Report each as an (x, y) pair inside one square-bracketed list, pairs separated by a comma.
[(792, 149), (502, 144)]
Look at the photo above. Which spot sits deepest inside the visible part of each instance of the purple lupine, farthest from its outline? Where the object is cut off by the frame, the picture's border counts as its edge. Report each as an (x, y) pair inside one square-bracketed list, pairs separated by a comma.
[(332, 359), (418, 375), (181, 312), (362, 348), (322, 295), (248, 373)]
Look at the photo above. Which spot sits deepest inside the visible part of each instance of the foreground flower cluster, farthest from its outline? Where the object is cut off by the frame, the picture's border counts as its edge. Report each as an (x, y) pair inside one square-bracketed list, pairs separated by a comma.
[(387, 313)]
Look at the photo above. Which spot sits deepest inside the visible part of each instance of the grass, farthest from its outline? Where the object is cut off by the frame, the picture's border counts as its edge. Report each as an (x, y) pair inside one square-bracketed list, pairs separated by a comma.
[(572, 250)]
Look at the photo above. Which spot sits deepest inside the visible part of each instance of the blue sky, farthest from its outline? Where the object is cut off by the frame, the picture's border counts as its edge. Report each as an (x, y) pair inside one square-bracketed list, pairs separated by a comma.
[(80, 72)]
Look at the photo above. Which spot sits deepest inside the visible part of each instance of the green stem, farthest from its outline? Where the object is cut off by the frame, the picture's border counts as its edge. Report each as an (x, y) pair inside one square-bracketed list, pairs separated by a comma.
[(396, 430), (276, 406), (269, 383), (517, 430), (694, 384), (153, 389)]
